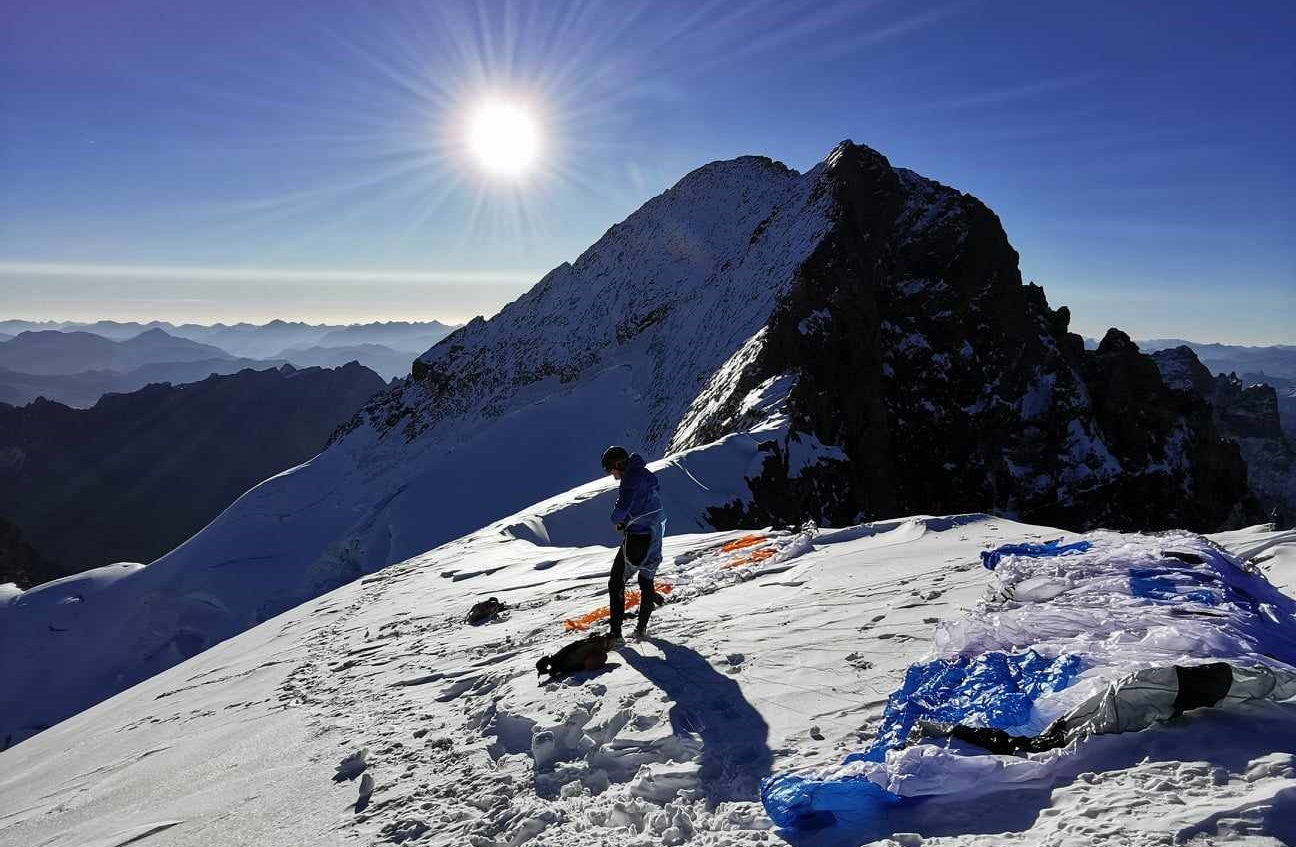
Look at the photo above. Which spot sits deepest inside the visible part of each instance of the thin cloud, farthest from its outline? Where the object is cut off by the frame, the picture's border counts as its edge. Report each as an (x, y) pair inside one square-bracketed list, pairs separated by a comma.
[(913, 23), (61, 269), (1019, 92)]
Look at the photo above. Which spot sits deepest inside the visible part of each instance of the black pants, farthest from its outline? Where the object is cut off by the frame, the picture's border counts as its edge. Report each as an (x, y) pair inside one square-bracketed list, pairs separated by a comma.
[(636, 549)]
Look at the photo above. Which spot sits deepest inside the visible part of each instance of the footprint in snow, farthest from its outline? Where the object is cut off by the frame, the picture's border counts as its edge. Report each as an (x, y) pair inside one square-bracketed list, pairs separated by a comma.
[(859, 662), (872, 621)]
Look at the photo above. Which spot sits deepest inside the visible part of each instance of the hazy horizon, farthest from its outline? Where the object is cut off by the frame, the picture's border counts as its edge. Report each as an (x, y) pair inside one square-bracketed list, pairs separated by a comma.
[(287, 318)]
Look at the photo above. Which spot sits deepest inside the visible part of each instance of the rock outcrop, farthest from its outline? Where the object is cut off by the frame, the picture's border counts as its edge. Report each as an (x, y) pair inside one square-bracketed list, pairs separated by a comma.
[(1247, 414), (949, 386)]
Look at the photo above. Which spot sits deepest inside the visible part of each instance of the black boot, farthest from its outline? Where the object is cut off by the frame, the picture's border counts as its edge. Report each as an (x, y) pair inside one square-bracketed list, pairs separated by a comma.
[(647, 602)]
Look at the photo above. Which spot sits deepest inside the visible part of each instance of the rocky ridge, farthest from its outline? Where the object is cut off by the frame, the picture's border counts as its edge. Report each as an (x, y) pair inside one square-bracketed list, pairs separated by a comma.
[(1249, 415), (916, 371)]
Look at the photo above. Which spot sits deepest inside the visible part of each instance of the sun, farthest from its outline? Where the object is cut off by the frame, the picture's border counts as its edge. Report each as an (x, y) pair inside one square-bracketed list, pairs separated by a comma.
[(504, 139)]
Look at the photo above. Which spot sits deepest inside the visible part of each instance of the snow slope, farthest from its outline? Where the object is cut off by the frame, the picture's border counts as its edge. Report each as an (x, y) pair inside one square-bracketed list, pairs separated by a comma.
[(630, 333), (780, 663)]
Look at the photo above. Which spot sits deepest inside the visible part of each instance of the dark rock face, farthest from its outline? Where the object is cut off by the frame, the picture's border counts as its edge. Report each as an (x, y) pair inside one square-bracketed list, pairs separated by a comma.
[(1200, 476), (1248, 415), (1287, 410), (952, 387), (19, 561), (1245, 411), (138, 473), (1183, 371)]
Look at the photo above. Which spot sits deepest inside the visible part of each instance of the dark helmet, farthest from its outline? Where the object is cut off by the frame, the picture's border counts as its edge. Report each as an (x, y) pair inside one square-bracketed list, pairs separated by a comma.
[(614, 457)]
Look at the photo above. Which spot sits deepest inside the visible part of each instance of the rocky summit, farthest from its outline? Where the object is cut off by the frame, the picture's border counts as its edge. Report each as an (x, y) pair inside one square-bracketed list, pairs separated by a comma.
[(887, 311)]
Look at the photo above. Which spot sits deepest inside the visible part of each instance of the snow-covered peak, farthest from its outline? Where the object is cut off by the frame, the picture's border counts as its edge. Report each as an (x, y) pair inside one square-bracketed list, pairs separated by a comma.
[(673, 290)]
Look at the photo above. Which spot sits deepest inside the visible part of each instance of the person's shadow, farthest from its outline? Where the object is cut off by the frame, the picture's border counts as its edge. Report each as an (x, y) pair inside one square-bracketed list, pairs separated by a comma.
[(735, 738)]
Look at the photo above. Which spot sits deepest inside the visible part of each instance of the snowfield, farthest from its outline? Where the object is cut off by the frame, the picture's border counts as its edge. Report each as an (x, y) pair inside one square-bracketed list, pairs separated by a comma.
[(374, 714)]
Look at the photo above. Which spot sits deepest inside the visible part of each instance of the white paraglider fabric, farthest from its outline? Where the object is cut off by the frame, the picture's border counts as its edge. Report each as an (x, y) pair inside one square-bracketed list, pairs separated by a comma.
[(1109, 633)]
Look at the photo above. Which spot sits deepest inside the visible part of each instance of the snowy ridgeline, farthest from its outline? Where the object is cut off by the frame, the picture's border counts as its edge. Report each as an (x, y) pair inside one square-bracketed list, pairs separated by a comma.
[(374, 713)]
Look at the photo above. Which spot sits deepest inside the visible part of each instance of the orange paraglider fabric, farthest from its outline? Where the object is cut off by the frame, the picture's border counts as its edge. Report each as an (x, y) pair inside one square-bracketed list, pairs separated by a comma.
[(631, 602), (750, 559), (740, 543)]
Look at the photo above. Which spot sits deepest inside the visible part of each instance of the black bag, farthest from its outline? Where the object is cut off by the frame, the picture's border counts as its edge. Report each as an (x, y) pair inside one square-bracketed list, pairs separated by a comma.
[(588, 654), (485, 610)]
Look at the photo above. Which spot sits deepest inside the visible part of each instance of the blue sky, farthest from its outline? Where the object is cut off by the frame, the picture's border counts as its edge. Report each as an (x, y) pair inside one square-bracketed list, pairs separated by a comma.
[(236, 160)]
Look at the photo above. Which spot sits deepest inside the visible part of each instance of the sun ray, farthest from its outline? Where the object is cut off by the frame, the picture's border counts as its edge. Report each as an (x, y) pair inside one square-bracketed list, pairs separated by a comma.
[(557, 84)]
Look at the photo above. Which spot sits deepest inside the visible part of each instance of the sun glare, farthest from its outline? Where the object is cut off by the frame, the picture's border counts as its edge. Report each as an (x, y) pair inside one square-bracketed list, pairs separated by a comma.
[(504, 138)]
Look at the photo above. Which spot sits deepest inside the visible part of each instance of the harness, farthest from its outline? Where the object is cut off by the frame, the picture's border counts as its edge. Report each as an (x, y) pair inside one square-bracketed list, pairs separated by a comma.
[(625, 538)]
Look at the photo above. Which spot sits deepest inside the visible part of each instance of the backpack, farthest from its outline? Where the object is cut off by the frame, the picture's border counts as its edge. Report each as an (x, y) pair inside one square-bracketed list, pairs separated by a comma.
[(485, 610), (589, 653)]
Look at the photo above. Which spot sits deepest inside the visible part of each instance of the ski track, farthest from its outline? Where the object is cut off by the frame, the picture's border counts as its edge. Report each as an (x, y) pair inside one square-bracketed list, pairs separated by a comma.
[(375, 715)]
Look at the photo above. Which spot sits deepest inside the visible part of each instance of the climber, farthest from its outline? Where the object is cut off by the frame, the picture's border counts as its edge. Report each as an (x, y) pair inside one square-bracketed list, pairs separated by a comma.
[(641, 520)]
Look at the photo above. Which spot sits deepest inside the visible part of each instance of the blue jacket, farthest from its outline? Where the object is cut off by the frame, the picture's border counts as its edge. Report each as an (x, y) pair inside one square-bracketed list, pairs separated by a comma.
[(638, 504)]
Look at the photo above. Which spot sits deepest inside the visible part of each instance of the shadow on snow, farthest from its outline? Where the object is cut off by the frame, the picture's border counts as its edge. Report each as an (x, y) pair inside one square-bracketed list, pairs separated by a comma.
[(1225, 738), (735, 753)]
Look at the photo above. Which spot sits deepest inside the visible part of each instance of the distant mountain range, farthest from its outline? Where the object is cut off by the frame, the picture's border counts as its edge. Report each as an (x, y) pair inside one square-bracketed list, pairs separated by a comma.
[(1274, 365), (82, 390), (385, 361), (77, 363), (53, 352), (1275, 361), (138, 473), (259, 341)]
